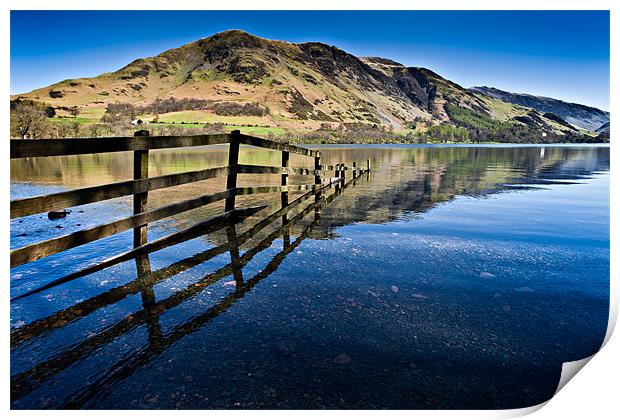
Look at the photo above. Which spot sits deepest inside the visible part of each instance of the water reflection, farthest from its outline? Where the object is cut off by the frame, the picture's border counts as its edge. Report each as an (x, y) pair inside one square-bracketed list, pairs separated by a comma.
[(404, 180), (25, 382), (87, 354)]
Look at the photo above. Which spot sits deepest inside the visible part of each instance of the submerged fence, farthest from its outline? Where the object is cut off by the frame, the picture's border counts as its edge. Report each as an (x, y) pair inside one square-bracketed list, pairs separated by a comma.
[(141, 184)]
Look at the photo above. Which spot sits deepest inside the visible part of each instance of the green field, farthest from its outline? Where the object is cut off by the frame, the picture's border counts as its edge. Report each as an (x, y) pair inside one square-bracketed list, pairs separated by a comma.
[(70, 120), (206, 117), (257, 131)]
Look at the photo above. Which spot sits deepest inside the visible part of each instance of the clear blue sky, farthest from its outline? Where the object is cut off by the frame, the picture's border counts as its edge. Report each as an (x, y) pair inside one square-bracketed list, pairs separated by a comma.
[(562, 54)]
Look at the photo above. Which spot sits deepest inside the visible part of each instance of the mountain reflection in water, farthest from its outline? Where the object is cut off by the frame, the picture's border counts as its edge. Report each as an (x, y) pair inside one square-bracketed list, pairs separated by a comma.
[(434, 290)]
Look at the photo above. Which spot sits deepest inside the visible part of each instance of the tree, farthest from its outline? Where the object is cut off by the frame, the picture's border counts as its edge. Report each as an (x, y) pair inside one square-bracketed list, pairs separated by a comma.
[(74, 111), (75, 128), (50, 111), (28, 121), (96, 130), (119, 113), (60, 130)]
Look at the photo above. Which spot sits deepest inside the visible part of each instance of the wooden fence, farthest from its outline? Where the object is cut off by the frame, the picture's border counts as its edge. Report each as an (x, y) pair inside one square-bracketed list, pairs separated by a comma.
[(152, 312), (141, 184)]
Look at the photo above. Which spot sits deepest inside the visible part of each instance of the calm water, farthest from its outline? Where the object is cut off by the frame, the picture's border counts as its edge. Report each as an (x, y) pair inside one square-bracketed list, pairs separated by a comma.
[(450, 277)]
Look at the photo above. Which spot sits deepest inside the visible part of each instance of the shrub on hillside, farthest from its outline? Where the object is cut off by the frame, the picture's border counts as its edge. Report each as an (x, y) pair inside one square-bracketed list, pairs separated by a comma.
[(163, 106), (213, 128), (28, 121), (119, 112), (49, 110), (235, 108)]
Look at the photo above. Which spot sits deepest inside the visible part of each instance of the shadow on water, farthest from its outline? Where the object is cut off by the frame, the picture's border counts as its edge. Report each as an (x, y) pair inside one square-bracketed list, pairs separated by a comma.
[(48, 372)]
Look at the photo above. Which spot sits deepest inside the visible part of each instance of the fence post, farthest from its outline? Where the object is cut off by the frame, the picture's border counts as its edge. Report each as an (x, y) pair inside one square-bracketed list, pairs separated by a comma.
[(354, 169), (284, 198), (233, 161), (140, 171), (317, 167), (317, 182), (284, 181), (343, 174)]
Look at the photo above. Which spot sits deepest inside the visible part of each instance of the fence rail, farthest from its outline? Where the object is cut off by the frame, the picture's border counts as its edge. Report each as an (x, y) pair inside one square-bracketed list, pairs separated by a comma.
[(139, 187), (79, 146)]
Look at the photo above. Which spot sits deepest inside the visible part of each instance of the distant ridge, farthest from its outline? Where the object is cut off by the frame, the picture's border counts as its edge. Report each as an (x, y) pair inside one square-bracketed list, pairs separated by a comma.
[(583, 116)]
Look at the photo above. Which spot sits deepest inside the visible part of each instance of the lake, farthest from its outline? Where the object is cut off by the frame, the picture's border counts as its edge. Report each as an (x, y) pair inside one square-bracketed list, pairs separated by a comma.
[(453, 277)]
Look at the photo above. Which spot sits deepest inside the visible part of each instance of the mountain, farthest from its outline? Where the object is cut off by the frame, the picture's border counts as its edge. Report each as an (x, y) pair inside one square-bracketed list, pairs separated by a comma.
[(603, 132), (582, 116), (604, 129), (237, 78), (309, 81)]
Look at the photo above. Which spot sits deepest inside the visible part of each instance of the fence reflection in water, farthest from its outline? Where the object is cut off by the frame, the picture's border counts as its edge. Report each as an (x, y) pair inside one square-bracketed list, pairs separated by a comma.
[(305, 214)]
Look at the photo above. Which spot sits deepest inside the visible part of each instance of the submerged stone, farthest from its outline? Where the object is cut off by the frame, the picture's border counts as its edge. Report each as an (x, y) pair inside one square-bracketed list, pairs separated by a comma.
[(58, 214), (285, 348), (342, 359)]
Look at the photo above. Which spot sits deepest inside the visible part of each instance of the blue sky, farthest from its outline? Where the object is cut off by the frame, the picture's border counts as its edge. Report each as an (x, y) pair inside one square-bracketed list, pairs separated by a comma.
[(562, 54)]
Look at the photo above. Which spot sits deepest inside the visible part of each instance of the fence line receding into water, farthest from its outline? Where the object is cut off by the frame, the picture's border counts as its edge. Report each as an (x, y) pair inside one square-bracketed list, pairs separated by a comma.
[(141, 184)]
